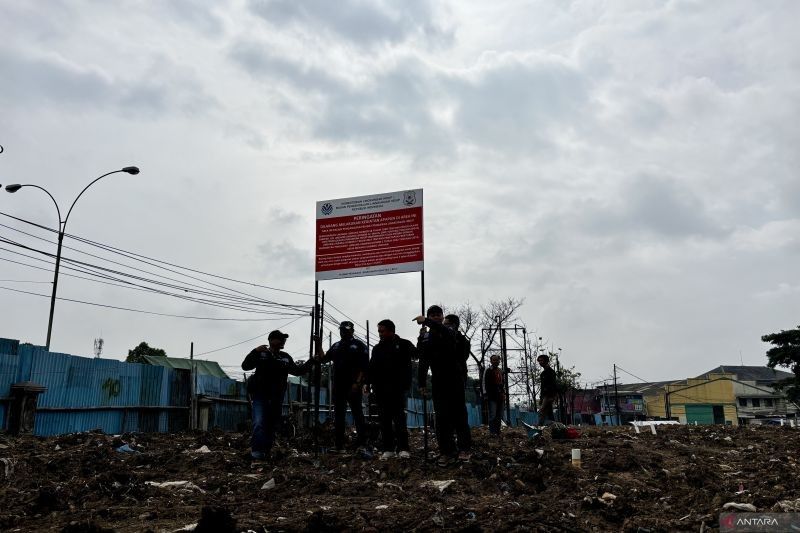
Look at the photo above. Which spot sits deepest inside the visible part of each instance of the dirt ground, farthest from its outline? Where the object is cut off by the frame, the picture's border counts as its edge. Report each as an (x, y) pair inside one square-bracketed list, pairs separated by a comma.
[(677, 480)]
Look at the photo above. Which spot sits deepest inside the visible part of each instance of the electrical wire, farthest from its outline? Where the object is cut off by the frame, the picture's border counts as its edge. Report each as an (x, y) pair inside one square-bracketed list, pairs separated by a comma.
[(241, 302), (252, 338), (145, 312), (140, 278), (237, 303)]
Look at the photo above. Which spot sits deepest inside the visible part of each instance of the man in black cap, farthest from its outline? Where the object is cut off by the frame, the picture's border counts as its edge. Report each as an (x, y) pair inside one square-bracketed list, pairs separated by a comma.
[(350, 359), (266, 388)]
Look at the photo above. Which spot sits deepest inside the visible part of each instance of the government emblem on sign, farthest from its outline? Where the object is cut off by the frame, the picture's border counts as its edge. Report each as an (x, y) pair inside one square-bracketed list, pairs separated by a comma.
[(327, 209), (410, 198)]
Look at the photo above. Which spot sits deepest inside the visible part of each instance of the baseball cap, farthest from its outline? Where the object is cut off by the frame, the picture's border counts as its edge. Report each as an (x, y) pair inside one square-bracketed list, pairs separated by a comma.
[(277, 334), (346, 325)]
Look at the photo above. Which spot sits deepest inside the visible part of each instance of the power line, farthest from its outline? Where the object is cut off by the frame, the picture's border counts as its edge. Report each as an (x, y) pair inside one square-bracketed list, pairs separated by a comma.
[(238, 302), (250, 300), (144, 259), (252, 338), (140, 278), (147, 312)]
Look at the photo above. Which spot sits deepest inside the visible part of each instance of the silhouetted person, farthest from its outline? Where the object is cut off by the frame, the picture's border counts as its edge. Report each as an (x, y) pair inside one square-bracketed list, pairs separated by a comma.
[(266, 388), (390, 378)]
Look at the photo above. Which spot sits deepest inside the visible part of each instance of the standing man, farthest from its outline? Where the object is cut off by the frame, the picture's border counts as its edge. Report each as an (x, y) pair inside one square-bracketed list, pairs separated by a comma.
[(494, 392), (438, 351), (266, 388), (390, 377), (549, 389), (350, 359), (462, 419)]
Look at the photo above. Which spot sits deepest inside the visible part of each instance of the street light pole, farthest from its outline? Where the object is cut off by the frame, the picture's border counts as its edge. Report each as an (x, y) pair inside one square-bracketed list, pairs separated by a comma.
[(62, 226)]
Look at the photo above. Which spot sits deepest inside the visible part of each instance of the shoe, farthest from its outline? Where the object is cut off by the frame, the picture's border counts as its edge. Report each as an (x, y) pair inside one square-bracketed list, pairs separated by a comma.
[(337, 451), (404, 454), (464, 456), (258, 456), (387, 455)]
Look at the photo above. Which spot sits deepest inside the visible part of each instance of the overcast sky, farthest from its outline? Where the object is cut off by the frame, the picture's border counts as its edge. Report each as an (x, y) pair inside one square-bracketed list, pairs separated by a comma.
[(630, 169)]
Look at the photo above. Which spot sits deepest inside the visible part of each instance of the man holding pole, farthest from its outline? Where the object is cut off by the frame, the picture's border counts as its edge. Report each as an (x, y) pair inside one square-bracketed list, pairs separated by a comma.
[(438, 351), (350, 359), (266, 389)]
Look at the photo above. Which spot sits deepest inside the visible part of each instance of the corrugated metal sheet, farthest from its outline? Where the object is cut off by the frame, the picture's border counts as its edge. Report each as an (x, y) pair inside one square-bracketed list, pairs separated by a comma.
[(86, 393), (230, 416), (9, 367), (8, 346)]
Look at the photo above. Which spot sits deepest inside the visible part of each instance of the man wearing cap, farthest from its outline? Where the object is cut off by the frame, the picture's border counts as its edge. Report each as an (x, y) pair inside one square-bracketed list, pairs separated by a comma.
[(266, 388), (350, 359)]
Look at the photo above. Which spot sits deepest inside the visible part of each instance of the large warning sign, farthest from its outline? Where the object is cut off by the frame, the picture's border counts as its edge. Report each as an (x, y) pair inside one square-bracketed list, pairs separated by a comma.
[(370, 235)]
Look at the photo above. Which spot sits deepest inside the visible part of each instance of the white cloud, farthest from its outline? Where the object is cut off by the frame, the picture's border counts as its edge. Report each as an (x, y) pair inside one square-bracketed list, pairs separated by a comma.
[(628, 168)]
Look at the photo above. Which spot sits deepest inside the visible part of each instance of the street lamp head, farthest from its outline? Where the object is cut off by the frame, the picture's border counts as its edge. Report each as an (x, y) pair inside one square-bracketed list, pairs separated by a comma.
[(131, 170), (14, 187)]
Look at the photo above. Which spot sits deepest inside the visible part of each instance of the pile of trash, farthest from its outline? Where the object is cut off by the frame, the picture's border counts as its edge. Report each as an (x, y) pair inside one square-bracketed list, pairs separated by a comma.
[(585, 479)]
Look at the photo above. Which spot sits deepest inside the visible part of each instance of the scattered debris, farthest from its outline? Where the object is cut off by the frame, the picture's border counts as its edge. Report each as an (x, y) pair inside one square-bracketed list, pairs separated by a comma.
[(269, 485), (8, 467), (441, 485), (201, 449), (788, 506), (748, 507), (641, 484), (174, 485)]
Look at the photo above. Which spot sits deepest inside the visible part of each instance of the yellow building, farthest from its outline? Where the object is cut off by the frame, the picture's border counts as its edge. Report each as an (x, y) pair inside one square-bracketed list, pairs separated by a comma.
[(706, 400)]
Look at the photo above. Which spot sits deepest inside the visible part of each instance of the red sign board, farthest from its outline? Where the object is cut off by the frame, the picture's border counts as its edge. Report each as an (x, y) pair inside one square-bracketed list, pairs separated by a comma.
[(369, 235)]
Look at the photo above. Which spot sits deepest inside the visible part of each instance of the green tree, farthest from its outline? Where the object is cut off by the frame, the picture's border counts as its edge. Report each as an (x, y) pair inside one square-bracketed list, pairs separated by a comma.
[(137, 354), (785, 352)]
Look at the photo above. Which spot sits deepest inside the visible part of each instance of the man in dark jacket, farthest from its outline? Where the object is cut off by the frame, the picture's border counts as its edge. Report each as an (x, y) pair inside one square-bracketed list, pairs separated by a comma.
[(266, 388), (549, 389), (462, 355), (350, 359), (438, 351), (390, 378), (494, 393)]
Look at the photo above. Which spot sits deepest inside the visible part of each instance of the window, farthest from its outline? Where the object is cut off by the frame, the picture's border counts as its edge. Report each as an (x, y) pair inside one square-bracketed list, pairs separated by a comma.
[(756, 402), (767, 402), (742, 402)]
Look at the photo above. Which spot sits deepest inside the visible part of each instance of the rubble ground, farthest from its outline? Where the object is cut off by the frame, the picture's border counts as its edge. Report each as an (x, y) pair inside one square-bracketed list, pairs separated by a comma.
[(676, 480)]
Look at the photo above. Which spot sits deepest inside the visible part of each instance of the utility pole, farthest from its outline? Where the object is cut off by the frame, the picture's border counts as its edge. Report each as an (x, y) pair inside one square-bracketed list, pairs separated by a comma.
[(505, 372), (192, 389), (616, 396), (528, 364)]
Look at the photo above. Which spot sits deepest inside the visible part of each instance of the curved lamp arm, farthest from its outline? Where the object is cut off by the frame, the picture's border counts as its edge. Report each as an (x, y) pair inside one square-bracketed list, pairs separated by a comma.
[(129, 170), (16, 186)]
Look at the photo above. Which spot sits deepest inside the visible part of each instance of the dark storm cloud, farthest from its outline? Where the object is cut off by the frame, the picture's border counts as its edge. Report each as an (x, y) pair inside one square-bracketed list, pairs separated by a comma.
[(49, 80), (365, 23), (37, 81), (514, 103), (509, 104), (196, 13), (652, 205)]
